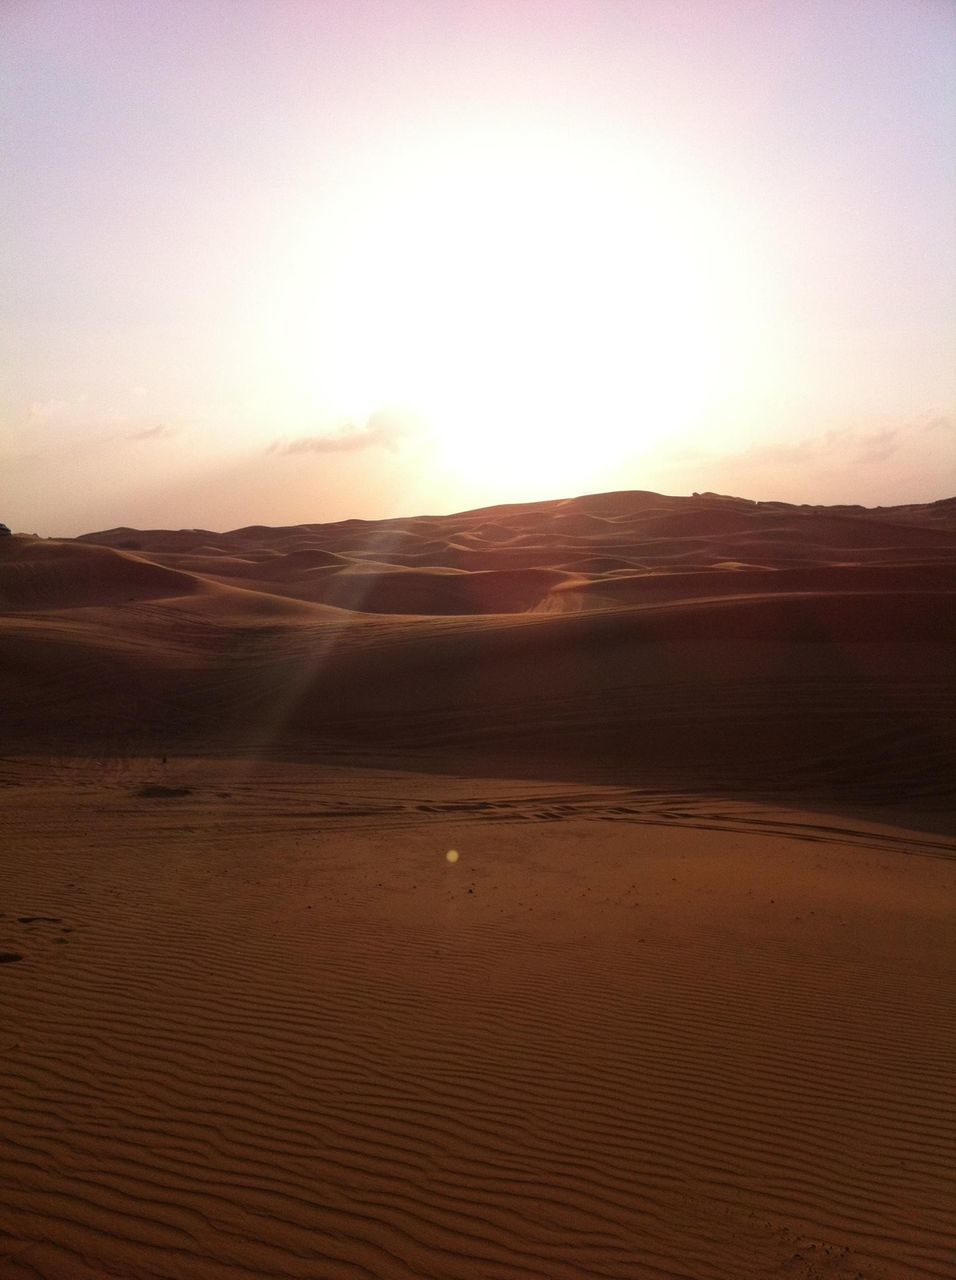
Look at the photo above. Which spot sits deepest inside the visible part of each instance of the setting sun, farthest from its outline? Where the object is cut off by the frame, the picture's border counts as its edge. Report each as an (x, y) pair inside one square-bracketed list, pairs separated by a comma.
[(524, 293), (369, 260), (512, 434)]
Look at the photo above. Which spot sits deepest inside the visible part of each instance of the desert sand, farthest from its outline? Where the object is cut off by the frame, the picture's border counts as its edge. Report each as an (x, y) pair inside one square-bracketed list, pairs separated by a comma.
[(682, 1005)]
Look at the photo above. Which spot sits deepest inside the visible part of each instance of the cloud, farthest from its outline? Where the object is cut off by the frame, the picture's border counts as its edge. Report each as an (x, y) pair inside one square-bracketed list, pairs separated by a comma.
[(847, 446), (160, 432), (45, 410), (878, 446), (937, 422), (885, 462), (384, 427)]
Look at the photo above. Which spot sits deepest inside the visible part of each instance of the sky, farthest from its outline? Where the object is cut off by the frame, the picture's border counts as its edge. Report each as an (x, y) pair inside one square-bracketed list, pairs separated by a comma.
[(276, 261)]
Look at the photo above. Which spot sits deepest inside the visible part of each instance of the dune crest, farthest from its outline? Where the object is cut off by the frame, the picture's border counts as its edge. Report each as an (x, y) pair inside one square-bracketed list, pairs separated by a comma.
[(549, 892), (741, 645)]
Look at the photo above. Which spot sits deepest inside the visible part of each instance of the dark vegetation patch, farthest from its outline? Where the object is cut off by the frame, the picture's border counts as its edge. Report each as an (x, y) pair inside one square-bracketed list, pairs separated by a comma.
[(163, 793), (10, 957)]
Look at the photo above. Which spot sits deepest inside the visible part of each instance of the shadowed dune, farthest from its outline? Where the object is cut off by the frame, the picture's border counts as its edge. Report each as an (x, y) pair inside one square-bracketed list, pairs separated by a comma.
[(738, 645), (680, 1006), (37, 575)]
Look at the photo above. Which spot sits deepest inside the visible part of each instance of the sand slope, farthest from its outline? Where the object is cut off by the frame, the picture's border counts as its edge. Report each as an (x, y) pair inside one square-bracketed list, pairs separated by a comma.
[(727, 643), (261, 1027), (682, 1008)]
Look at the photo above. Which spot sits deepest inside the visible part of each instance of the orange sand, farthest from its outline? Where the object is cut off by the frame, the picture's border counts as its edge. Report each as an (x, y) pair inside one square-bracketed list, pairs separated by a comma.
[(682, 1007)]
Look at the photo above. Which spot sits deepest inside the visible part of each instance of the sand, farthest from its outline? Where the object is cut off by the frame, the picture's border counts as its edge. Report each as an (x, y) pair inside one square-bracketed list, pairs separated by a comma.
[(682, 1006)]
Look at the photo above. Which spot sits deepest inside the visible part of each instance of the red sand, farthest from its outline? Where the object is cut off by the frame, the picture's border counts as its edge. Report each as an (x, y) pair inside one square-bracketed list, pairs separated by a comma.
[(683, 1006)]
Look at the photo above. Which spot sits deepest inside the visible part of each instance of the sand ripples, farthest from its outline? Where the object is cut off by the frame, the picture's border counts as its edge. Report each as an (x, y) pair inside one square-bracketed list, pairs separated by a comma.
[(219, 1078)]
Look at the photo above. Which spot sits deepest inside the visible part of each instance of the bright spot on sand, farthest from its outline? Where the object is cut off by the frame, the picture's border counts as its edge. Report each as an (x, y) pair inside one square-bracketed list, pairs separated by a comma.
[(452, 855)]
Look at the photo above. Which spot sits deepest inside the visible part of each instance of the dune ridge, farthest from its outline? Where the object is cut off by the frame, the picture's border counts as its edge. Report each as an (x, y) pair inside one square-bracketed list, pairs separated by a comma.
[(744, 645), (680, 1007)]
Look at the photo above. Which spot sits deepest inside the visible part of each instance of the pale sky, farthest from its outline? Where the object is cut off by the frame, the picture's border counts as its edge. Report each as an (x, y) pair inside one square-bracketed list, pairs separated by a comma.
[(272, 261)]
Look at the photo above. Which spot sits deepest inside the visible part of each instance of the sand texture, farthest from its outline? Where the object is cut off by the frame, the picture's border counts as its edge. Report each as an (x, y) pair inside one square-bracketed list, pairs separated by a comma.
[(682, 1007)]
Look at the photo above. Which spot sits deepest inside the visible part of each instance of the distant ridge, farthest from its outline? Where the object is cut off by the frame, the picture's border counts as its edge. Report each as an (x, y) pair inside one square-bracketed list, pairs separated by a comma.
[(623, 501), (711, 639)]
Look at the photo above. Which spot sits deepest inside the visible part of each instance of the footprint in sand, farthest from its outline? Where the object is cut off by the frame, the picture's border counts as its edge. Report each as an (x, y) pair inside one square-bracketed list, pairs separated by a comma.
[(37, 931)]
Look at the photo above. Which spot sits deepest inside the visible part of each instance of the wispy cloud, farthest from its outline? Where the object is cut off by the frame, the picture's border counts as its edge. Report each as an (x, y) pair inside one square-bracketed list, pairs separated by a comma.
[(160, 432), (877, 446), (47, 410), (937, 422), (849, 445), (884, 462), (382, 428)]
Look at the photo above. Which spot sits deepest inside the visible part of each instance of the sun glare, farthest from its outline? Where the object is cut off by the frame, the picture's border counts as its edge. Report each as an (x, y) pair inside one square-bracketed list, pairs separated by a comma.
[(537, 298)]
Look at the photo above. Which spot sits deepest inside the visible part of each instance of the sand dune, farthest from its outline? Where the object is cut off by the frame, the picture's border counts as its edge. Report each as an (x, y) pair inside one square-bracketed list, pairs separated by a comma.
[(682, 1007), (39, 575), (756, 646)]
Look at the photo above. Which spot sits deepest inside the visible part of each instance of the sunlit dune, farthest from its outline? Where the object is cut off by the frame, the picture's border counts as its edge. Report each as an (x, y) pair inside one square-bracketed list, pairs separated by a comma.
[(408, 872), (560, 889), (410, 633)]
